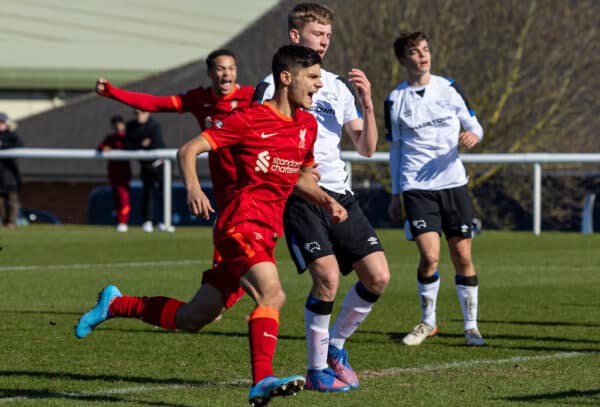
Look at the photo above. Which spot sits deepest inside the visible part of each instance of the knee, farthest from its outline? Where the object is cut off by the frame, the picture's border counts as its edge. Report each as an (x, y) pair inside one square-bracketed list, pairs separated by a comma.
[(278, 299), (272, 298), (377, 280), (430, 261), (326, 283), (193, 322)]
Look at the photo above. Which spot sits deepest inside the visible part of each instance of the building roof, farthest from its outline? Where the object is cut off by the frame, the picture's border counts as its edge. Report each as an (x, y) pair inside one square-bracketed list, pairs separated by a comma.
[(67, 44)]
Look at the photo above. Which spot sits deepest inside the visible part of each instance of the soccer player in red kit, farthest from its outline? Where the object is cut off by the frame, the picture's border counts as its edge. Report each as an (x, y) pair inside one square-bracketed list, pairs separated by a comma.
[(119, 172), (274, 155), (208, 105)]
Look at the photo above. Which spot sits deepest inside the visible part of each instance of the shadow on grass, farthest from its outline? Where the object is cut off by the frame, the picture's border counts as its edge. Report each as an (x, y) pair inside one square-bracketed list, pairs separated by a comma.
[(118, 378), (537, 323), (534, 338), (243, 334), (30, 394), (497, 341), (582, 397), (41, 312)]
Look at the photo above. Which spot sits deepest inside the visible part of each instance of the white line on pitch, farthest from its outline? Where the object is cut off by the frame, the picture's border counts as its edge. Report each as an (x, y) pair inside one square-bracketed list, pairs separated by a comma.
[(159, 263), (125, 264), (366, 373), (470, 363)]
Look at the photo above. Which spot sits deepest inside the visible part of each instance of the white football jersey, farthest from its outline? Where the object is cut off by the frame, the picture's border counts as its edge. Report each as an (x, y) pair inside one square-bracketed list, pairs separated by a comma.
[(333, 106), (423, 125)]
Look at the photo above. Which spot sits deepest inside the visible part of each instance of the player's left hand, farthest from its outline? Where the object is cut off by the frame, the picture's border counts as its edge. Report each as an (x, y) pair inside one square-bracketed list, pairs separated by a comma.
[(338, 213), (199, 204), (468, 139), (360, 81)]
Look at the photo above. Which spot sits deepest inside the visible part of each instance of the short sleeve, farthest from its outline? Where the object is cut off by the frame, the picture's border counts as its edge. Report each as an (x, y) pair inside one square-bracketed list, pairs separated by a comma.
[(264, 90), (228, 132)]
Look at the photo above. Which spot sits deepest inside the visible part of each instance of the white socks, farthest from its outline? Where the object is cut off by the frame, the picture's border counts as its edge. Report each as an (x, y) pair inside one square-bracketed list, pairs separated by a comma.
[(467, 296), (428, 293), (317, 338), (353, 312)]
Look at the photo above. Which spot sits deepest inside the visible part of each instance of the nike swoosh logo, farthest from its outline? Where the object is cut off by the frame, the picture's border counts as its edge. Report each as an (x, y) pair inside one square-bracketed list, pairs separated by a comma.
[(263, 135), (269, 335)]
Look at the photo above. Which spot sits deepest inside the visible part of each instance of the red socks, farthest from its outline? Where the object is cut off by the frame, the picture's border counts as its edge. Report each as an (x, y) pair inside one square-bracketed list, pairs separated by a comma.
[(158, 311), (263, 329)]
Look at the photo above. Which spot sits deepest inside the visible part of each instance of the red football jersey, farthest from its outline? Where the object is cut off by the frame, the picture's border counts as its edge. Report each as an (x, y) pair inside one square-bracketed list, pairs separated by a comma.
[(210, 108), (269, 150)]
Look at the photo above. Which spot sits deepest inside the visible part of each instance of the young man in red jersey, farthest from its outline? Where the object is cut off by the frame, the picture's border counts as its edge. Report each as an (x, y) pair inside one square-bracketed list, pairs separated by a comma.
[(274, 149), (119, 172), (208, 105)]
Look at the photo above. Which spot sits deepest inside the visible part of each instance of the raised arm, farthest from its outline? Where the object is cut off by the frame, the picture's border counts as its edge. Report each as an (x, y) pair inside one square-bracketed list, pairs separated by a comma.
[(137, 100), (363, 132), (307, 188), (187, 156)]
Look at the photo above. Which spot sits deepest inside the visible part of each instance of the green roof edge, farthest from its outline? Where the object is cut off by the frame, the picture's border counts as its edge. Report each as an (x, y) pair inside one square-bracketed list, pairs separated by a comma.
[(64, 79)]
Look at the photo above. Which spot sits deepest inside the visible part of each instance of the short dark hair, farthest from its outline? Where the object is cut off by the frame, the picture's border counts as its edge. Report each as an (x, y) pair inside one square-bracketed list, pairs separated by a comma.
[(116, 119), (406, 40), (291, 58), (305, 13), (210, 59)]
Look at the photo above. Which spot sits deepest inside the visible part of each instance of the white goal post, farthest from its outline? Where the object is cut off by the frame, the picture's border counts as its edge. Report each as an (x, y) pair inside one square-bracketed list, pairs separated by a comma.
[(536, 160)]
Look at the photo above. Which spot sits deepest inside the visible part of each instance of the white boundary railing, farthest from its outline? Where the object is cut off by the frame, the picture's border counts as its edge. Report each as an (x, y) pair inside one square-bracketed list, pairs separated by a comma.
[(169, 155)]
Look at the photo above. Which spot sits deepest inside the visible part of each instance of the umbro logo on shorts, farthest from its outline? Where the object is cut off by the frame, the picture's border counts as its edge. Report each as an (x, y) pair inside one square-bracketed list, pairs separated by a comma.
[(373, 240)]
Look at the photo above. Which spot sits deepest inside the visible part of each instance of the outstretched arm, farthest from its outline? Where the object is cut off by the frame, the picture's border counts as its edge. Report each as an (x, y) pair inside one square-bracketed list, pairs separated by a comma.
[(198, 202), (308, 189), (363, 132), (142, 101)]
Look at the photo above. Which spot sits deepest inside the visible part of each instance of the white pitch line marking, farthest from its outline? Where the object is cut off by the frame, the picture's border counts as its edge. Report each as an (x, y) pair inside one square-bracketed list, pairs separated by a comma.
[(368, 373), (470, 363), (125, 264), (158, 263)]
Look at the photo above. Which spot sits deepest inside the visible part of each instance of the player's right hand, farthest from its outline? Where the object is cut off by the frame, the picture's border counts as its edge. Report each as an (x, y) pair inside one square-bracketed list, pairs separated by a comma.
[(338, 213), (199, 204), (102, 86)]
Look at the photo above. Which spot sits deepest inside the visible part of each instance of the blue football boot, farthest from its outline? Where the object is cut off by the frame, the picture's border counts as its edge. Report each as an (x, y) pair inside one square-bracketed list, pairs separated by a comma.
[(338, 361), (272, 386), (98, 314), (324, 380)]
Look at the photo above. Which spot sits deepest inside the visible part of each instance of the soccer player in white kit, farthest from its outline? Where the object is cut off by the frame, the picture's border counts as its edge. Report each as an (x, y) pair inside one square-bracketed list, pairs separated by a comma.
[(427, 119), (327, 250)]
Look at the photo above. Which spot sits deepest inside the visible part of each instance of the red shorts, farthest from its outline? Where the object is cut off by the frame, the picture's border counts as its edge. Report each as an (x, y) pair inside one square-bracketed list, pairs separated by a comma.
[(241, 248)]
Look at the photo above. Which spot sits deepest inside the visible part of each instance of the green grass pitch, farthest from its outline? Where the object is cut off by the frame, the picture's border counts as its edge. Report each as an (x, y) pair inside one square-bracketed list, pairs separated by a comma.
[(539, 310)]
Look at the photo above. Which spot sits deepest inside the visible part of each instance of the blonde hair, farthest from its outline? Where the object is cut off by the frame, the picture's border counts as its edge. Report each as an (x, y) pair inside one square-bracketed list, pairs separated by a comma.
[(305, 13)]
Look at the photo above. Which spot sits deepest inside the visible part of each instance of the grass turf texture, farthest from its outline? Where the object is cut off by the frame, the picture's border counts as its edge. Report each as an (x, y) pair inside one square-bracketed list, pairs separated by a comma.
[(539, 312)]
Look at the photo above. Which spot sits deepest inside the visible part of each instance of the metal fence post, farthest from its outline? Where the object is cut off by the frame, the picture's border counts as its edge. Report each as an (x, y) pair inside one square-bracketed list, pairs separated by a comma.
[(537, 199), (167, 174)]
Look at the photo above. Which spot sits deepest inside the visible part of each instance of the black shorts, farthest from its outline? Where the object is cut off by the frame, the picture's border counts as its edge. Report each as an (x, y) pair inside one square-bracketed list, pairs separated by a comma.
[(447, 210), (310, 233)]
